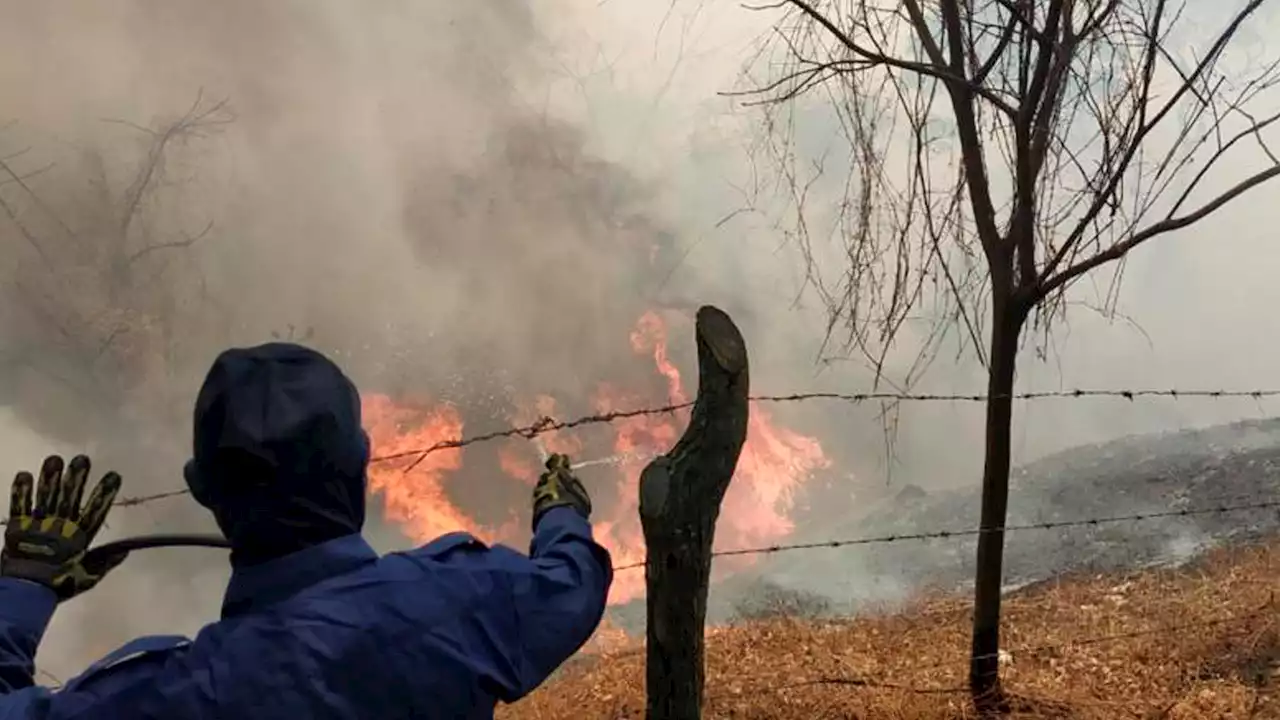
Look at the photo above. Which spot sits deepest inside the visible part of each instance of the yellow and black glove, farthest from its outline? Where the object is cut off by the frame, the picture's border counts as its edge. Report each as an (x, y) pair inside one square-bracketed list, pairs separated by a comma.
[(557, 487), (45, 541)]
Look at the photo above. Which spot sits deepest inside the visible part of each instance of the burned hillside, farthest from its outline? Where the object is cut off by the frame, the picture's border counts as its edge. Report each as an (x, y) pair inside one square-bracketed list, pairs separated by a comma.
[(1225, 466)]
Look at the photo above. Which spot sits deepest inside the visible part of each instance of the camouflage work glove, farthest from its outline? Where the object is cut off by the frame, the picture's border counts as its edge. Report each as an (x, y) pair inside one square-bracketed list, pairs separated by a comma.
[(557, 487), (45, 542)]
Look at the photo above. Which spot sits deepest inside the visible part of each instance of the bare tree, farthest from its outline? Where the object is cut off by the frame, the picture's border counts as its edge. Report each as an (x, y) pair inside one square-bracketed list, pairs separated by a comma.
[(96, 292), (997, 151)]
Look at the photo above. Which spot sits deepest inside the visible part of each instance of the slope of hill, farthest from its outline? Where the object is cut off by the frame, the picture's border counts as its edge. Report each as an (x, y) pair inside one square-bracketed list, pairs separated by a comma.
[(1193, 471), (1200, 641)]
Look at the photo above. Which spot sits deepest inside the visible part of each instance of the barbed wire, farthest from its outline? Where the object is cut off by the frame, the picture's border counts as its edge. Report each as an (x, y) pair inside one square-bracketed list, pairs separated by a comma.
[(132, 501), (948, 534), (847, 681), (144, 499), (548, 424), (894, 537)]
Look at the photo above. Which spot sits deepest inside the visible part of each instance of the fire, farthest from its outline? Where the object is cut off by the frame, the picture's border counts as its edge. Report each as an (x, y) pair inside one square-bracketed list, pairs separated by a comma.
[(416, 498), (775, 462)]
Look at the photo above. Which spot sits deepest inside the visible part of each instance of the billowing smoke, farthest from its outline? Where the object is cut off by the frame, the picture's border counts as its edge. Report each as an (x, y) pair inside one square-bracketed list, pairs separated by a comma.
[(182, 177), (414, 187)]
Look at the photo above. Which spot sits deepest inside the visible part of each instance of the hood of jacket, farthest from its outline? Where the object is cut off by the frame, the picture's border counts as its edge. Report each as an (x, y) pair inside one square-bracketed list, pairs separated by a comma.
[(278, 452)]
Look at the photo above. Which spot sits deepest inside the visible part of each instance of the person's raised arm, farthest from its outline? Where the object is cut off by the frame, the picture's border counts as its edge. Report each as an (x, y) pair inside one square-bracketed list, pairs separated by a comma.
[(25, 611), (43, 559), (561, 597)]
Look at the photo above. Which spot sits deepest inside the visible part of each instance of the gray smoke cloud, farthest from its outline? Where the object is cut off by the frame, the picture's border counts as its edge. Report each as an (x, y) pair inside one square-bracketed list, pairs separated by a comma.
[(462, 200), (414, 187)]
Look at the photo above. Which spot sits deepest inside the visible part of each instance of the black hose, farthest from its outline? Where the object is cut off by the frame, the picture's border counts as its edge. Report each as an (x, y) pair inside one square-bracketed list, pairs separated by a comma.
[(142, 542)]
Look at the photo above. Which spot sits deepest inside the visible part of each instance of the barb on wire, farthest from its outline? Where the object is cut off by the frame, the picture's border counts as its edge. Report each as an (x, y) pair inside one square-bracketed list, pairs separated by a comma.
[(539, 427), (946, 534), (846, 681), (1037, 395), (549, 424), (137, 500), (144, 499)]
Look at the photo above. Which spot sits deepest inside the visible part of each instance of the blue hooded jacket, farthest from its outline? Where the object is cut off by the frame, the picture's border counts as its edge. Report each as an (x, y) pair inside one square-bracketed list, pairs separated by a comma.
[(314, 623)]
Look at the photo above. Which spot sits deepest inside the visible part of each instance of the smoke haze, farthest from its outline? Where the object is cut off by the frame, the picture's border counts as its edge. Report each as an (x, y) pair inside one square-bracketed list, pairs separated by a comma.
[(458, 198)]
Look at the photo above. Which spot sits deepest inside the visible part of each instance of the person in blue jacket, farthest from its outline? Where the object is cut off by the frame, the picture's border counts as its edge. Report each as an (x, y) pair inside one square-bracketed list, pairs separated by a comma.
[(314, 623)]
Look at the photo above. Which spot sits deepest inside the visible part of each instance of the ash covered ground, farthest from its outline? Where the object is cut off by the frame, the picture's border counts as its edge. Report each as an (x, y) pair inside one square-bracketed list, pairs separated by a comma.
[(1226, 465)]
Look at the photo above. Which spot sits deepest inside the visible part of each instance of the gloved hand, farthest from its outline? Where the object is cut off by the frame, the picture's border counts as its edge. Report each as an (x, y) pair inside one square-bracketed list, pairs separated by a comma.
[(557, 487), (46, 542)]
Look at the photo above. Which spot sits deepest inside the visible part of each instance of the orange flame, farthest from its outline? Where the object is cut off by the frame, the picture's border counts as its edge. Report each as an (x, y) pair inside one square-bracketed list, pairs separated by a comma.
[(413, 487), (775, 462)]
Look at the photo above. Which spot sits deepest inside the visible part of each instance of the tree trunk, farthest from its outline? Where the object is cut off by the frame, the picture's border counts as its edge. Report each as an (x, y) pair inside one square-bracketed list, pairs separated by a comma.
[(680, 495), (984, 668)]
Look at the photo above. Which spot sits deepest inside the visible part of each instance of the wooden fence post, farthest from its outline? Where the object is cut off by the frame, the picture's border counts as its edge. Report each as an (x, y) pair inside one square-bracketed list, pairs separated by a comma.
[(680, 496)]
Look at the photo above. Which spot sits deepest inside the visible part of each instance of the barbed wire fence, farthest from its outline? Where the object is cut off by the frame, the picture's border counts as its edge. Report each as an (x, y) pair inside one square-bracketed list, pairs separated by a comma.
[(549, 424), (546, 424), (413, 458), (974, 532)]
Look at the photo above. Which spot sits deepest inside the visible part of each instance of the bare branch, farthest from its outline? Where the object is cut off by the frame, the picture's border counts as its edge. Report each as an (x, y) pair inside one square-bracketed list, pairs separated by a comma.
[(85, 316), (971, 141), (1168, 225), (936, 69), (195, 120), (185, 242), (1145, 127), (26, 234), (1072, 129)]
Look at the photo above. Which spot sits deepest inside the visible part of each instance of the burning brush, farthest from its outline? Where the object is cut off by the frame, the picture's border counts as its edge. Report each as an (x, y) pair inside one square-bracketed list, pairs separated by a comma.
[(418, 494)]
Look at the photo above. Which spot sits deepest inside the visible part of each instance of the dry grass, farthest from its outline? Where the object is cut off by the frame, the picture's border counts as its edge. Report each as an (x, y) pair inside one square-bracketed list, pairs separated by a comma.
[(1201, 642)]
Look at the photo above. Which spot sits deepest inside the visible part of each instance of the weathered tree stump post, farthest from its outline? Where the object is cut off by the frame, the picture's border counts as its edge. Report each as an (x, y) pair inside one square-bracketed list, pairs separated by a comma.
[(680, 496)]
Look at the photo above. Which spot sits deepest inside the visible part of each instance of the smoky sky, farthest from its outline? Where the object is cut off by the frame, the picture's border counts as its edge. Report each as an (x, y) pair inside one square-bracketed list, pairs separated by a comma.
[(374, 177)]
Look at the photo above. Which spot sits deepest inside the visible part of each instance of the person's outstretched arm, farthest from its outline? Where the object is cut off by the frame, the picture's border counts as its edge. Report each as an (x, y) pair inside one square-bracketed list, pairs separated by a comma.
[(514, 618), (550, 602), (25, 611), (43, 562), (560, 604)]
